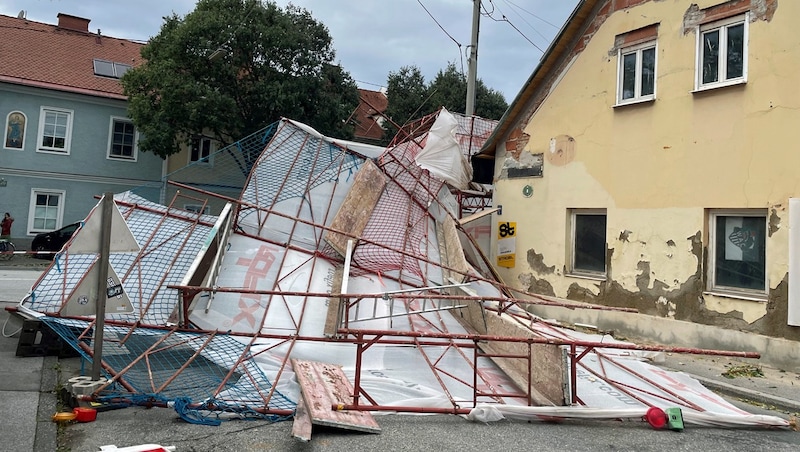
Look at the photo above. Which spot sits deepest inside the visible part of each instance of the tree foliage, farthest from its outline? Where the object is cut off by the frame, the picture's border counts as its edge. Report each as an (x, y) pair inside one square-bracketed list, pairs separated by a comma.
[(410, 98), (271, 62)]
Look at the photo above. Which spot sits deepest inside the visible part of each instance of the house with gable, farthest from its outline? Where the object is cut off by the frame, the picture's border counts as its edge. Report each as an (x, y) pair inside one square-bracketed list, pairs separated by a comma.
[(649, 162), (66, 135), (368, 116)]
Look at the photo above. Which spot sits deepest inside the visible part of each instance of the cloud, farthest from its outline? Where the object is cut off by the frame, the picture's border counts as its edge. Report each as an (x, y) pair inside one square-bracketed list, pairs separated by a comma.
[(371, 38)]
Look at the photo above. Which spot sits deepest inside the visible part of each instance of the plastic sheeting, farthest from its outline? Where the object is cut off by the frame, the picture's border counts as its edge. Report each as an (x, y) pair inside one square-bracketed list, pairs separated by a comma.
[(442, 155)]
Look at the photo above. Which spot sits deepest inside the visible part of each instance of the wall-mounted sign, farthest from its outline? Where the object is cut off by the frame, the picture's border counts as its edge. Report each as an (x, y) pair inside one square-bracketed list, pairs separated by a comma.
[(506, 244), (527, 191)]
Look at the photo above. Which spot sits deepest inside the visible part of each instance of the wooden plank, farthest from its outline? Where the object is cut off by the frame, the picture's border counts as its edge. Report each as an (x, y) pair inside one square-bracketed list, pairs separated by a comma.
[(357, 206), (333, 318), (301, 427), (324, 385), (478, 215)]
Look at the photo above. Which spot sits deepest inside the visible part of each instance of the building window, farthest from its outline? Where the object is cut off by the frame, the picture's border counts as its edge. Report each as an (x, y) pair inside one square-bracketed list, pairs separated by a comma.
[(55, 130), (637, 73), (738, 251), (196, 208), (15, 130), (722, 53), (201, 150), (110, 68), (45, 210), (122, 140), (588, 254)]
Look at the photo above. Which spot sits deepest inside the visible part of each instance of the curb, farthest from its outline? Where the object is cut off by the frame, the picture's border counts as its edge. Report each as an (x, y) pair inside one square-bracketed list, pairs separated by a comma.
[(46, 438), (780, 403)]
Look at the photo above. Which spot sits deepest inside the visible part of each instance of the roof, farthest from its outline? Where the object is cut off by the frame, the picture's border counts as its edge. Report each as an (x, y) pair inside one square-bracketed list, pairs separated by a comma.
[(553, 60), (371, 104), (61, 57)]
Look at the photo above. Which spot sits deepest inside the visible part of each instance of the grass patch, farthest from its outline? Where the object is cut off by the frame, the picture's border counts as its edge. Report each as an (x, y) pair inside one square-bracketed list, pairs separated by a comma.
[(743, 370)]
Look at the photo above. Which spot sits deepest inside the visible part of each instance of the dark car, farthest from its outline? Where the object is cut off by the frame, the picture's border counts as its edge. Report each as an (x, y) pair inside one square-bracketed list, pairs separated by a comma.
[(53, 240)]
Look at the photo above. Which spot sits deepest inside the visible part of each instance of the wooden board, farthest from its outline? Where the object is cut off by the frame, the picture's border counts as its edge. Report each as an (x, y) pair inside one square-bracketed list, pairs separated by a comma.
[(324, 385), (301, 427), (357, 206), (333, 318)]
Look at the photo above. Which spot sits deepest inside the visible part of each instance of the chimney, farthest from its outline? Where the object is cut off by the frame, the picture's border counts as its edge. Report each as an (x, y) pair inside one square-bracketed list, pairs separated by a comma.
[(73, 23)]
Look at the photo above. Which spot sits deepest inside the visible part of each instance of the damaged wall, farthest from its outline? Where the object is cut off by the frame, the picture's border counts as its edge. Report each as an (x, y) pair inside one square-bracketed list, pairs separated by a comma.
[(657, 168)]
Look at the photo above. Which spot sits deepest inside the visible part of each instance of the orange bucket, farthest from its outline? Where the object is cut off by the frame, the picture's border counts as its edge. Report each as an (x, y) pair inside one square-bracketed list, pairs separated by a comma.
[(85, 414)]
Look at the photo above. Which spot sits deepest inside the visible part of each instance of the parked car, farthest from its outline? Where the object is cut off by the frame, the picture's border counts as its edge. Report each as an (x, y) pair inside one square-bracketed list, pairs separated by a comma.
[(53, 240)]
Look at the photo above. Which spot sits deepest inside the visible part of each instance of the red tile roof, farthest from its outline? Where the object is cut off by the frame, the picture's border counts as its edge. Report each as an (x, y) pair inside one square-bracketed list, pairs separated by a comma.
[(61, 58), (370, 105)]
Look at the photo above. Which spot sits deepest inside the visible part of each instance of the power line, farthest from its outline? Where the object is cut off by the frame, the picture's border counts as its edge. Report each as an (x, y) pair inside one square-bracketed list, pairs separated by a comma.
[(505, 19), (460, 55), (512, 5), (534, 15), (437, 23)]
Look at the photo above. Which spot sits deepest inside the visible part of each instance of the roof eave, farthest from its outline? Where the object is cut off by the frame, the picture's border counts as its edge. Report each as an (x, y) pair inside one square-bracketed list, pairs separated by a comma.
[(62, 88), (572, 29)]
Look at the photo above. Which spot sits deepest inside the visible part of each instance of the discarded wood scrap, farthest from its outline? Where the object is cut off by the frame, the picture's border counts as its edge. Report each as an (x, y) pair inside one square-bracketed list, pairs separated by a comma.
[(322, 386)]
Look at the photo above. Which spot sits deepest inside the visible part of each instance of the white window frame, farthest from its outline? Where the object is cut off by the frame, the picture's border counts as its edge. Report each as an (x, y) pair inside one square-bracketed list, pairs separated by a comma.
[(573, 213), (40, 147), (637, 50), (713, 216), (62, 195), (24, 130), (722, 65), (208, 160), (109, 155)]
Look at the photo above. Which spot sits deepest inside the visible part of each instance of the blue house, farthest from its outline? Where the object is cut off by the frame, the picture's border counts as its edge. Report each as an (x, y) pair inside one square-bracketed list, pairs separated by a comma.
[(66, 137)]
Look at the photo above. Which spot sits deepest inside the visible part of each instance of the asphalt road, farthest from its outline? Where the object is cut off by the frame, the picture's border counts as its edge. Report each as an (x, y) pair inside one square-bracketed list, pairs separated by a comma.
[(133, 426), (415, 433)]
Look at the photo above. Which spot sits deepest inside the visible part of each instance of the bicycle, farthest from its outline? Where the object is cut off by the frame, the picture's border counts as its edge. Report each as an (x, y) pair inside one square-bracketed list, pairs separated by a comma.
[(6, 250)]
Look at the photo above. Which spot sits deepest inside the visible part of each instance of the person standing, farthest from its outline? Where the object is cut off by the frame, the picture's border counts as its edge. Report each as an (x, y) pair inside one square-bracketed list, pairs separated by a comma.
[(5, 226)]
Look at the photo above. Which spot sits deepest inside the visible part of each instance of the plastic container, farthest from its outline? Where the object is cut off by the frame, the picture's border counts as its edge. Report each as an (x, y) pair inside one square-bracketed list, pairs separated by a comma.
[(85, 414), (656, 417), (64, 416)]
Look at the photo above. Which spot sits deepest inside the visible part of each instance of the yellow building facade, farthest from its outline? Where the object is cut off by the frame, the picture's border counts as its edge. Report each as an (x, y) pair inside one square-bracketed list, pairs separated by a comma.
[(650, 160)]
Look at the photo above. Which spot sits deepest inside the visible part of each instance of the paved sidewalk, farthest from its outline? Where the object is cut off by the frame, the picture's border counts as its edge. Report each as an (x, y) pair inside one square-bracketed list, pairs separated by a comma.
[(776, 389)]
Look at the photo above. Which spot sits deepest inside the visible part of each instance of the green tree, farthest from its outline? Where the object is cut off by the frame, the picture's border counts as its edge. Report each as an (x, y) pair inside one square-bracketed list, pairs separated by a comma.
[(410, 98), (230, 68)]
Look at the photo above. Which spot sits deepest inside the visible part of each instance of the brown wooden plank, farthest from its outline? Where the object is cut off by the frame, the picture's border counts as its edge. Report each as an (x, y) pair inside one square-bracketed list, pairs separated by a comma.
[(324, 385), (301, 427), (357, 206)]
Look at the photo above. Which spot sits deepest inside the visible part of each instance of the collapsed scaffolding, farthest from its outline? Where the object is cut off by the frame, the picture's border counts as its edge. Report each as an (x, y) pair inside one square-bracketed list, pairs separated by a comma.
[(345, 254)]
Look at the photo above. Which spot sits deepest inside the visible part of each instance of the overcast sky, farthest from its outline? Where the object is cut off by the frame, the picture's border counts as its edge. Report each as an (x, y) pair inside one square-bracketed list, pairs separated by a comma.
[(371, 37)]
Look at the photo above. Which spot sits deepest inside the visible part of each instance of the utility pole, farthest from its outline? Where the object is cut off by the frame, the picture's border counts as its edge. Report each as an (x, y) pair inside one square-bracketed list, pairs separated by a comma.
[(472, 61), (106, 204)]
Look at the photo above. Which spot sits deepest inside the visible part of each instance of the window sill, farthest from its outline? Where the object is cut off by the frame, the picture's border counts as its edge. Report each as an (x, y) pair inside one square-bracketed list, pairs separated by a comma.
[(739, 296), (645, 100), (713, 86), (52, 151), (593, 277)]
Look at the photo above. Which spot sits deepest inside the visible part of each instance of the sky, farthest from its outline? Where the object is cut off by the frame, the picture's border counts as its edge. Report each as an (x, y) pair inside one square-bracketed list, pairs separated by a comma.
[(371, 37)]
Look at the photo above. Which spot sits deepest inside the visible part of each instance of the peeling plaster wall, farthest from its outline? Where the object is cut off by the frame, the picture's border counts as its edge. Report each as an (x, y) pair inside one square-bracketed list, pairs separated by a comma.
[(657, 167)]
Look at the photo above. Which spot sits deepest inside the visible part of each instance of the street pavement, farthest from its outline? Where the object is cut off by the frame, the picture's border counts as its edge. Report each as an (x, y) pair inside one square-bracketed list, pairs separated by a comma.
[(28, 388)]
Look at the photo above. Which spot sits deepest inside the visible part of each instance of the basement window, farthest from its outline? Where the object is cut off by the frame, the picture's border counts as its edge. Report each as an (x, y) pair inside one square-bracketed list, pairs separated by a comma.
[(588, 242), (737, 251)]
